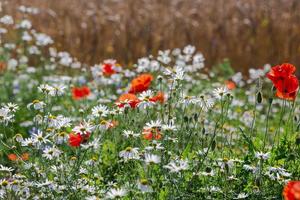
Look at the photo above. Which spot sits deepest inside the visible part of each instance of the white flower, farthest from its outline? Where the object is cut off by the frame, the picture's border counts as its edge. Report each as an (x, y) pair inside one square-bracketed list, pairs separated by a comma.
[(36, 104), (130, 154), (6, 19), (130, 134), (11, 107), (42, 39), (5, 169), (38, 138), (51, 152), (5, 116), (25, 24), (144, 187), (169, 127), (57, 90), (116, 193), (205, 103), (242, 196), (154, 124), (177, 165), (189, 49), (45, 88), (263, 156), (100, 111), (84, 128), (220, 92), (152, 159)]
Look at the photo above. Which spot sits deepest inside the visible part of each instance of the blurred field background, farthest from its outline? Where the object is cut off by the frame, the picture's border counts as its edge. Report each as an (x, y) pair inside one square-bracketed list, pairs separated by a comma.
[(248, 32)]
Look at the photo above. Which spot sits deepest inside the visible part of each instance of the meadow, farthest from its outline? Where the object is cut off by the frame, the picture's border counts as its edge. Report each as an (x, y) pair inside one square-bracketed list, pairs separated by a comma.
[(165, 126)]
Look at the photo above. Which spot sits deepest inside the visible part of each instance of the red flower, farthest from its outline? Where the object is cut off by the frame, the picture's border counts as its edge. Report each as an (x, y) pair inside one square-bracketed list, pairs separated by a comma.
[(284, 80), (151, 134), (141, 83), (75, 139), (159, 97), (80, 92), (292, 190), (130, 99), (230, 85), (107, 69)]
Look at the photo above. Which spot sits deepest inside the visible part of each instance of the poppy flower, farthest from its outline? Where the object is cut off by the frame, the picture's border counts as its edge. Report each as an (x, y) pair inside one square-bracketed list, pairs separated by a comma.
[(107, 69), (151, 134), (140, 83), (292, 190), (12, 157), (159, 97), (80, 92), (75, 139), (25, 156), (284, 80), (130, 99), (230, 85)]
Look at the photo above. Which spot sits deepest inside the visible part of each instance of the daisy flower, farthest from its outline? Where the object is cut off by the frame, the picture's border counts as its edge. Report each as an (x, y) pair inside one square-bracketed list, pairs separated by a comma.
[(152, 159), (114, 193), (176, 166)]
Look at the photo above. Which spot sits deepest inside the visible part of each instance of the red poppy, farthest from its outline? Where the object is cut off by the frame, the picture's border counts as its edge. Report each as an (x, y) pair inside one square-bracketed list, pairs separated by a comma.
[(151, 134), (141, 83), (75, 139), (285, 82), (80, 92), (292, 190), (159, 97), (230, 85), (131, 99), (107, 69), (12, 157)]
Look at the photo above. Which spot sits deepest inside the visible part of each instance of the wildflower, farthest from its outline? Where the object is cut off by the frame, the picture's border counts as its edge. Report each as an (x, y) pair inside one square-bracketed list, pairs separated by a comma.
[(76, 139), (130, 134), (176, 166), (152, 159), (100, 111), (263, 156), (205, 103), (230, 85), (151, 133), (129, 154), (51, 152), (220, 93), (145, 101), (12, 157), (143, 186), (130, 99), (242, 196), (11, 107), (80, 92), (284, 80), (159, 97), (291, 190), (140, 83), (36, 104), (108, 67), (7, 20), (116, 193), (84, 128), (5, 169), (5, 116)]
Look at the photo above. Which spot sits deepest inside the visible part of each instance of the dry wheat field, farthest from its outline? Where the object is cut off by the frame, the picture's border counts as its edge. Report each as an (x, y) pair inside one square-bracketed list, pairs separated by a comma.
[(149, 99)]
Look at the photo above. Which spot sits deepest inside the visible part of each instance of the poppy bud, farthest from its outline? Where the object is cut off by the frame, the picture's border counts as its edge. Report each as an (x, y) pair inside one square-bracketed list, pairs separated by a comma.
[(259, 97), (270, 100)]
